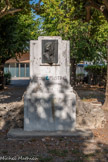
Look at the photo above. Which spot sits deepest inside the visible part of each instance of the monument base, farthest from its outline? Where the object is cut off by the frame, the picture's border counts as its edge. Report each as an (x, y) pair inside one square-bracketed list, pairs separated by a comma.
[(21, 134), (47, 109), (49, 103)]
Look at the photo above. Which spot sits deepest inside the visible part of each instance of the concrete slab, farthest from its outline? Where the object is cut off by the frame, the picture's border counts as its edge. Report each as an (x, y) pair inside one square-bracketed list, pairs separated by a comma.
[(21, 134)]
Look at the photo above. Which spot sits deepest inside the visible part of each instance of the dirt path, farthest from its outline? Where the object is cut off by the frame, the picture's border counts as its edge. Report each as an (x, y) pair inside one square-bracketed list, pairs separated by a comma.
[(57, 149), (11, 107), (91, 93)]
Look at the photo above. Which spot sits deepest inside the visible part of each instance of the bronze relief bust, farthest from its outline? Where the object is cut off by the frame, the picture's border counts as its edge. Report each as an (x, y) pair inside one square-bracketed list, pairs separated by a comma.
[(50, 51)]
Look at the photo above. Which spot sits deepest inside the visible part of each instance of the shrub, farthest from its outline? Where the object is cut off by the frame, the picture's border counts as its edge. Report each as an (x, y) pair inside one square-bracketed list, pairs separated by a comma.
[(80, 77), (7, 78), (97, 74), (96, 69)]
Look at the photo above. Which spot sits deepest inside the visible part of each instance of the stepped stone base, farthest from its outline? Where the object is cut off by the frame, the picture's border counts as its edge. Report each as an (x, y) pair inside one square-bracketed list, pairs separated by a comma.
[(51, 107), (21, 134)]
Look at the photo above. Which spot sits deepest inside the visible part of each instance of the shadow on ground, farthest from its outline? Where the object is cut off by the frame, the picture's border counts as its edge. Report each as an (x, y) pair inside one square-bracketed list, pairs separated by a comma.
[(91, 92), (44, 149), (54, 149), (12, 94), (11, 107)]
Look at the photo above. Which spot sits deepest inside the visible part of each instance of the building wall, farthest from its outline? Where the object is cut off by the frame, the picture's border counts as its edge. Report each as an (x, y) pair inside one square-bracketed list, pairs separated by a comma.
[(80, 69), (20, 68), (17, 69)]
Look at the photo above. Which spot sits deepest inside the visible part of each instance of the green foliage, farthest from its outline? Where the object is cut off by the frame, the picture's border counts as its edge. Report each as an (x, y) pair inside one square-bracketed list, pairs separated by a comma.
[(15, 34), (15, 4), (102, 36), (96, 69), (82, 46), (66, 19), (45, 159), (97, 74), (59, 152), (7, 78), (80, 77)]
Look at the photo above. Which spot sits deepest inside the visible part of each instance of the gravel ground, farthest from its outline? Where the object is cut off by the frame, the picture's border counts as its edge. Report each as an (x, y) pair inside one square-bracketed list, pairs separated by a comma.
[(45, 149)]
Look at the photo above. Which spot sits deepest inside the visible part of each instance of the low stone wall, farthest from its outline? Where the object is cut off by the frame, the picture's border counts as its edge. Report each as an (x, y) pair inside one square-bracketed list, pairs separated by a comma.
[(89, 116)]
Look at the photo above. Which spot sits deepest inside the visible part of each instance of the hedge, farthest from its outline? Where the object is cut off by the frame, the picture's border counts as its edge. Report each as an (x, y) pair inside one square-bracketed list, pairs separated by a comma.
[(96, 74)]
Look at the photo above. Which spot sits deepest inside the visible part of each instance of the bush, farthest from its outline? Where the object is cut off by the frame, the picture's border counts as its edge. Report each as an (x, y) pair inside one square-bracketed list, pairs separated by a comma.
[(96, 69), (97, 74), (80, 77), (7, 78)]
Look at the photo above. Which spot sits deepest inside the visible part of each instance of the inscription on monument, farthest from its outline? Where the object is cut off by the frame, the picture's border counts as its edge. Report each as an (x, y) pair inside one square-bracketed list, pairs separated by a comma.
[(50, 51)]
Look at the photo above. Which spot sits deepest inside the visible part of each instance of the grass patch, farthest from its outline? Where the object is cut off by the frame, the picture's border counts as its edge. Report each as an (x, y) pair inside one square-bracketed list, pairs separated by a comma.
[(58, 152), (7, 160), (32, 140), (61, 139), (75, 160), (76, 151), (4, 151), (45, 159), (88, 155)]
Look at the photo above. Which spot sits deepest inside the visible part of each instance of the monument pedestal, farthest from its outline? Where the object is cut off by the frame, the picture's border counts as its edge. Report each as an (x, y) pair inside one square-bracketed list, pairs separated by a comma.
[(49, 103), (21, 134), (49, 110)]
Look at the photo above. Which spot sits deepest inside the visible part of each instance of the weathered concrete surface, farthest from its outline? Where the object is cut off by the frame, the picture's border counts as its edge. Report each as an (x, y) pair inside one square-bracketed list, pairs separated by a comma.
[(20, 133), (47, 110), (60, 69)]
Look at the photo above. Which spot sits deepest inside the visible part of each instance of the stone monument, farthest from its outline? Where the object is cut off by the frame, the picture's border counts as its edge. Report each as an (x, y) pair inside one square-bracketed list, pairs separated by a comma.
[(49, 102)]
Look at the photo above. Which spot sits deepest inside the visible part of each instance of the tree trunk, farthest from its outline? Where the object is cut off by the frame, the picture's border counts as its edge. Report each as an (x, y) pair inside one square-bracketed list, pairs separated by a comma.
[(73, 71), (2, 76), (105, 106)]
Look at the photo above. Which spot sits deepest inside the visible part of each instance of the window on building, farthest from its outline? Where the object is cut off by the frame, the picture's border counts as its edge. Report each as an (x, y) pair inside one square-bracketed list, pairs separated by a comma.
[(17, 69), (6, 68), (27, 70), (22, 70), (12, 70)]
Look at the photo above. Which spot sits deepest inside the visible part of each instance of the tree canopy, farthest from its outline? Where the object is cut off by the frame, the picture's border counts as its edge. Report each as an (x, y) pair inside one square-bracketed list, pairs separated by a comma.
[(80, 7), (68, 19), (15, 33), (12, 6), (100, 5)]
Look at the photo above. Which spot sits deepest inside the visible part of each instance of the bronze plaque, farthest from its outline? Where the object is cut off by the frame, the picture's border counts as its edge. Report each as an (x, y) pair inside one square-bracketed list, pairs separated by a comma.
[(50, 51)]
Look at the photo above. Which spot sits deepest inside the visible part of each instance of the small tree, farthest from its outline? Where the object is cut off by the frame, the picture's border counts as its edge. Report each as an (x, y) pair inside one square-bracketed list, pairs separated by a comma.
[(102, 7), (63, 12), (62, 18), (15, 33)]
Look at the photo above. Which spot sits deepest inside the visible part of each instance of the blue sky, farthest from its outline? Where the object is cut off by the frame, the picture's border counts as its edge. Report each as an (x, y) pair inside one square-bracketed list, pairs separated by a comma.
[(35, 1)]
